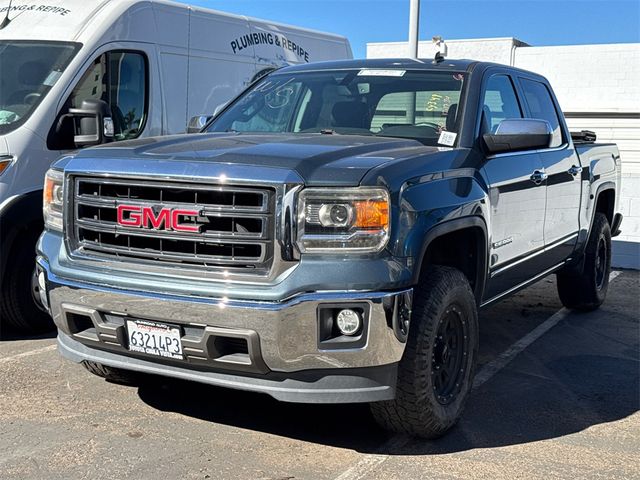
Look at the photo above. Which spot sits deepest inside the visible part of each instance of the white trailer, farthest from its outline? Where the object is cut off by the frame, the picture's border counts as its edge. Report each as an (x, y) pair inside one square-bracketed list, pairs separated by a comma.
[(135, 69)]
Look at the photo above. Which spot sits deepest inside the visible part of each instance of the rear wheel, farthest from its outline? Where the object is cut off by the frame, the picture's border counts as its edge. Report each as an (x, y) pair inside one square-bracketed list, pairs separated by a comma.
[(587, 290), (112, 374), (436, 371), (20, 307)]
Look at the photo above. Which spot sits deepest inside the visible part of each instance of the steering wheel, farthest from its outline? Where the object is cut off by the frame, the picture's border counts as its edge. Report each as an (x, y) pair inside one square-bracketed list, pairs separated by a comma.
[(31, 98)]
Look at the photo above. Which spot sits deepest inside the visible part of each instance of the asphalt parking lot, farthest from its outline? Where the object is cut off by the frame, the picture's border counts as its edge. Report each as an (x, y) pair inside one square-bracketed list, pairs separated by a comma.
[(557, 395)]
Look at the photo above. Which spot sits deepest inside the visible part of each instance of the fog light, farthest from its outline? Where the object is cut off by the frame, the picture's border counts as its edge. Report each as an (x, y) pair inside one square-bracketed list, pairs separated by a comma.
[(348, 321)]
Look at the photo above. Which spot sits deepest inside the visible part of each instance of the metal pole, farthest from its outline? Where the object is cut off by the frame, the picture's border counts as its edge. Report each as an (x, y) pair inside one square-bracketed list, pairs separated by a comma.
[(414, 21)]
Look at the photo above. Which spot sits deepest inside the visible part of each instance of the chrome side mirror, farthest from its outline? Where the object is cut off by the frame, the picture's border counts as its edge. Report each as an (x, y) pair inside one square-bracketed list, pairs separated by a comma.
[(514, 134)]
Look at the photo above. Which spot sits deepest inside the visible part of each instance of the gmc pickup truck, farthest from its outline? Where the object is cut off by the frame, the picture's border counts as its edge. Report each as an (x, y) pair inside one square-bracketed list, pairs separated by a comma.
[(330, 235)]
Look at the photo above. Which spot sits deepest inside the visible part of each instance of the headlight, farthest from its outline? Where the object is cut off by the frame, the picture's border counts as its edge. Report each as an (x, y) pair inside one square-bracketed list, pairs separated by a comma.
[(53, 199), (334, 220)]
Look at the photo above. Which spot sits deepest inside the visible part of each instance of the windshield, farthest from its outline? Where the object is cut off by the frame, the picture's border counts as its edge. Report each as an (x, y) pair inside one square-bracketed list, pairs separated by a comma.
[(393, 103), (28, 70)]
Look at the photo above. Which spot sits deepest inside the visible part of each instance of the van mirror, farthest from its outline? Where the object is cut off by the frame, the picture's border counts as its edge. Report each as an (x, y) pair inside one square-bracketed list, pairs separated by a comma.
[(196, 123), (92, 123), (516, 134)]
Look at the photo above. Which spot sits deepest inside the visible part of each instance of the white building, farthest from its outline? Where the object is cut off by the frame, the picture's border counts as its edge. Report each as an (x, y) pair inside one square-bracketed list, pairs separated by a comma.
[(598, 87)]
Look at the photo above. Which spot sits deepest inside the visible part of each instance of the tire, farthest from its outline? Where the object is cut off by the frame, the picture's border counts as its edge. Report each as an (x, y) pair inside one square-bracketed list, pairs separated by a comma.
[(20, 307), (427, 405), (112, 374), (586, 291)]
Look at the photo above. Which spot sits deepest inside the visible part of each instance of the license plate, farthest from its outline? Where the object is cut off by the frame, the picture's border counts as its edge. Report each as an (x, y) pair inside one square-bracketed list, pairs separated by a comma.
[(154, 338)]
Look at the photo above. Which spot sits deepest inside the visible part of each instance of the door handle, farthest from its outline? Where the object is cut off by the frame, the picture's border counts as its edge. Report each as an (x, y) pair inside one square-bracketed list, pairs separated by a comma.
[(538, 176), (574, 170)]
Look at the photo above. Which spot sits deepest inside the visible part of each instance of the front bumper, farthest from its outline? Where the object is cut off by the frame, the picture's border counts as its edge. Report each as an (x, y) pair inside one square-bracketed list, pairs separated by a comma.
[(285, 356)]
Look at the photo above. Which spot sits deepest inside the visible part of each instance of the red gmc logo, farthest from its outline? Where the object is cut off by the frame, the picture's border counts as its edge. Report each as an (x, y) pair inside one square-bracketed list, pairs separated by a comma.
[(166, 218)]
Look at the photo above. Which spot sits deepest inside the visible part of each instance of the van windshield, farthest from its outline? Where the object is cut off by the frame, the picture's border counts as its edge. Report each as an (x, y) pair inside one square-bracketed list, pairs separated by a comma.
[(28, 70), (393, 103)]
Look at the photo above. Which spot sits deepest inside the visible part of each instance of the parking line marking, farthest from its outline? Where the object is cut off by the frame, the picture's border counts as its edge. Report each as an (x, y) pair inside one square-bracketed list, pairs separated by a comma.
[(502, 360), (18, 356), (370, 462)]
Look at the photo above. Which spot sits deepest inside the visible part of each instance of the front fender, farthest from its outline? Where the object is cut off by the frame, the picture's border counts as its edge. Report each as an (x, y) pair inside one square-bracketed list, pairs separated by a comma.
[(432, 202)]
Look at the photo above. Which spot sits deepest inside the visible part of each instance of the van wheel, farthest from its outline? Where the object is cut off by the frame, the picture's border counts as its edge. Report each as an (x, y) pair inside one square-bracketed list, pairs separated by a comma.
[(587, 290), (436, 371), (19, 303), (112, 374)]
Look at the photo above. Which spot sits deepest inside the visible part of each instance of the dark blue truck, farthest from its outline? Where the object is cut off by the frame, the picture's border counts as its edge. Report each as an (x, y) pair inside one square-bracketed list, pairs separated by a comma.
[(330, 235)]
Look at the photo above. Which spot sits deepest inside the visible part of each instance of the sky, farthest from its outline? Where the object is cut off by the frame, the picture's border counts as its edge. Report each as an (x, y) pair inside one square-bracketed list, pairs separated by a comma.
[(536, 22)]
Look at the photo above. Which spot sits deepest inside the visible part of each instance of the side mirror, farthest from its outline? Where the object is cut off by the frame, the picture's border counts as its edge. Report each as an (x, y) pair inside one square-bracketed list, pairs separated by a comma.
[(196, 123), (516, 134), (92, 123)]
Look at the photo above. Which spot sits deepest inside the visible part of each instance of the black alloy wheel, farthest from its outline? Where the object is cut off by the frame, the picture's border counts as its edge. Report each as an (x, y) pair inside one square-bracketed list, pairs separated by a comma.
[(449, 352)]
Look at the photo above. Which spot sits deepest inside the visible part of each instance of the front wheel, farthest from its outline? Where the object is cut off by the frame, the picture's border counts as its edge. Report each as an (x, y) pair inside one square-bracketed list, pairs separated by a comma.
[(586, 291), (435, 374)]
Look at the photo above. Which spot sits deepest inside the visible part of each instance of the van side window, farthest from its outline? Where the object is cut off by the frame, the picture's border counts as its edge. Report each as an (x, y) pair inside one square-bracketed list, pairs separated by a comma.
[(120, 79), (499, 103), (541, 106)]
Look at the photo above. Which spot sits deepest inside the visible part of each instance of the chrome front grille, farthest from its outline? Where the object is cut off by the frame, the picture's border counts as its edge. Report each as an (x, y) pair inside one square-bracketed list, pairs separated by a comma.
[(235, 223)]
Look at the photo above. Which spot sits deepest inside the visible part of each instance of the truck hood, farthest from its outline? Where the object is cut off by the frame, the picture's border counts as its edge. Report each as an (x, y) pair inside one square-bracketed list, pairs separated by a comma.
[(340, 160)]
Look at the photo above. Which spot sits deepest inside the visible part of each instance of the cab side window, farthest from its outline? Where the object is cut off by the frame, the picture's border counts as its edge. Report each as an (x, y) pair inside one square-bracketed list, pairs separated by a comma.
[(499, 103), (120, 79), (542, 107)]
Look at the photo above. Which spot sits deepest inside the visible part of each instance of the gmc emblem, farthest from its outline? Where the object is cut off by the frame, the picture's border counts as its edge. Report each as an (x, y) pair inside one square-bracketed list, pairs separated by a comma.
[(165, 218)]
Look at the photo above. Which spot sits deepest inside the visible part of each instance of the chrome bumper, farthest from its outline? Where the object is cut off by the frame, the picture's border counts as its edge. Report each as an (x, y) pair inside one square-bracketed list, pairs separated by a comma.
[(281, 337)]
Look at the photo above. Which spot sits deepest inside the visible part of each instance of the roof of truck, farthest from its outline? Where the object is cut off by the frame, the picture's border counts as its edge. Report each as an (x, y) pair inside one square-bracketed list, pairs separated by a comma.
[(391, 63)]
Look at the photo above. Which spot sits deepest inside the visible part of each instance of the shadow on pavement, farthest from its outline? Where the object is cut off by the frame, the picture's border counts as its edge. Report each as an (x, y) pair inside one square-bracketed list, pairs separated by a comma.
[(582, 391), (348, 426), (10, 335), (583, 373), (524, 406)]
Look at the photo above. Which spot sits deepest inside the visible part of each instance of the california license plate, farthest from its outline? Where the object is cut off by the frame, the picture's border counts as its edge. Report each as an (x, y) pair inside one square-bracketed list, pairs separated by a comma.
[(154, 338)]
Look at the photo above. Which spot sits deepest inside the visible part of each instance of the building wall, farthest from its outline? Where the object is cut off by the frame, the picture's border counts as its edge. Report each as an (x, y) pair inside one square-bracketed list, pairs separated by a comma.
[(499, 50), (598, 88)]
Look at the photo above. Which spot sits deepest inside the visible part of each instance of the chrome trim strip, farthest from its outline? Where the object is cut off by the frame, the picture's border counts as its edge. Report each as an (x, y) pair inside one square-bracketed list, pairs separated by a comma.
[(523, 284), (555, 244), (209, 209), (211, 238), (199, 260), (564, 146)]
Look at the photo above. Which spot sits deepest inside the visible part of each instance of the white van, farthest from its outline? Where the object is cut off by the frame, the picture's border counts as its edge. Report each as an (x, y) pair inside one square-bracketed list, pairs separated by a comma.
[(75, 73)]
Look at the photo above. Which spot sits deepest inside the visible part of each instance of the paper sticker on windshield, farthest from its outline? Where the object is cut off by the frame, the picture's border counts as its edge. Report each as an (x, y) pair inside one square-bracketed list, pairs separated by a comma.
[(447, 138), (381, 73), (52, 78)]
